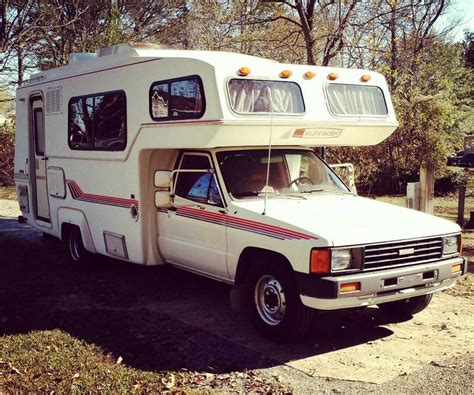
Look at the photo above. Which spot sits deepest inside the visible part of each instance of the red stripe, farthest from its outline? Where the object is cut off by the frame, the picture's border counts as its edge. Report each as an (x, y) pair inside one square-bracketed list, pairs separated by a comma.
[(253, 223), (250, 223), (99, 198)]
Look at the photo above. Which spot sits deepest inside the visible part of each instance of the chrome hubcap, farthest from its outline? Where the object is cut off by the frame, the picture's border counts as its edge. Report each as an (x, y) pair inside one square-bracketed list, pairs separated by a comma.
[(270, 300)]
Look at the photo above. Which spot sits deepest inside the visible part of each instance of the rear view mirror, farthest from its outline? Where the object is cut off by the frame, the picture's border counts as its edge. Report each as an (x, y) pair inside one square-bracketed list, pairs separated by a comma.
[(162, 182)]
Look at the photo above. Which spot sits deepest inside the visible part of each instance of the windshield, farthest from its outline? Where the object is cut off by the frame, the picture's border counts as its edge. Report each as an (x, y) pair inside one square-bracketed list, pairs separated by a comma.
[(291, 171)]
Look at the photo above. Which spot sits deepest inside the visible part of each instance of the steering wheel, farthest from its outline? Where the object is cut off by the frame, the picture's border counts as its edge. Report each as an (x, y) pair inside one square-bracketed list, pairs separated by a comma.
[(299, 179)]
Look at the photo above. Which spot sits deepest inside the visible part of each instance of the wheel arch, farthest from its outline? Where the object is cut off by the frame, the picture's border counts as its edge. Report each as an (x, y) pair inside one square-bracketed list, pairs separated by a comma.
[(255, 255), (67, 218)]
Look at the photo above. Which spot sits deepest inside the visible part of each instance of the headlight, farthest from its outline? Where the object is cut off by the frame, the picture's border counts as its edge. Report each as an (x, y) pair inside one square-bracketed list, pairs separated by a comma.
[(326, 260), (346, 258), (450, 245), (341, 259)]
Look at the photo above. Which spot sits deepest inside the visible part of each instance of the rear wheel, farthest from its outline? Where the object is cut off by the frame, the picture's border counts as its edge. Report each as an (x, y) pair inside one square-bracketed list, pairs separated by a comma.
[(406, 307), (276, 309), (78, 254)]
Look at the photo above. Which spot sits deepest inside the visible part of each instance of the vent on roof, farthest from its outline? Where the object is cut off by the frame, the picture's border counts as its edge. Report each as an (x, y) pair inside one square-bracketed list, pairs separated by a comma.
[(54, 98), (117, 49), (130, 48), (81, 57)]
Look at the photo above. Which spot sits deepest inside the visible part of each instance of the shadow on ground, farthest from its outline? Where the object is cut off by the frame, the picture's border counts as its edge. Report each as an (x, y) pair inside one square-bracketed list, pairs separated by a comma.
[(156, 318)]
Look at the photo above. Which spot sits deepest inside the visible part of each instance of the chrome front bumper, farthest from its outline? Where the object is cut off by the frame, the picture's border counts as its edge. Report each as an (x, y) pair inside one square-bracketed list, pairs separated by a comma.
[(389, 285)]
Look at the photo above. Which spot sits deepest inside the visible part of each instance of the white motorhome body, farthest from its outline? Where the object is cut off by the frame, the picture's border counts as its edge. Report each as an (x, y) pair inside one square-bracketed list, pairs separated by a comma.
[(95, 140)]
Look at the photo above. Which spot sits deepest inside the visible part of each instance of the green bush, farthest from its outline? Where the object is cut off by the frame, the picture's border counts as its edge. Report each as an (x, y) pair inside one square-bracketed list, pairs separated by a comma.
[(7, 154)]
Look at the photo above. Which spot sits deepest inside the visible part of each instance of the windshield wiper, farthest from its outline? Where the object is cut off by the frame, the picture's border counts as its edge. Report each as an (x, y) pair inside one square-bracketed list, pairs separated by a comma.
[(247, 193), (313, 190), (328, 191)]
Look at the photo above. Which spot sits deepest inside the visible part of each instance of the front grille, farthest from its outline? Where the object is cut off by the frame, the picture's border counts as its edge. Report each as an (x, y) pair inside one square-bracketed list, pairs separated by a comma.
[(403, 253)]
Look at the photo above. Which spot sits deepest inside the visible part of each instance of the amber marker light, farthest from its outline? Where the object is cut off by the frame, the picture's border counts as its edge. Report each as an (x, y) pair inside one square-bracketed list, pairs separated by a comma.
[(365, 78), (320, 261), (350, 287), (243, 71), (286, 74), (309, 75), (456, 268), (332, 76)]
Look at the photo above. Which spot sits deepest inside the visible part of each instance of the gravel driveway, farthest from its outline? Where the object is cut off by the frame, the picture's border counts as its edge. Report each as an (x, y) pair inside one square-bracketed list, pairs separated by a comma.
[(159, 318)]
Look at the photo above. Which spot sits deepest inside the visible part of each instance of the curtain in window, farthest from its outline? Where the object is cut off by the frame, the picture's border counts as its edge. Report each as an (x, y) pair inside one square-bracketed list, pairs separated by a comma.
[(356, 100), (265, 96)]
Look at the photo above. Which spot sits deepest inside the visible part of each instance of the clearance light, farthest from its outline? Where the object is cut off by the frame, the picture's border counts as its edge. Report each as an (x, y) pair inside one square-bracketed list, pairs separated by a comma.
[(320, 261), (365, 78), (332, 76), (456, 268), (350, 287), (286, 74), (460, 244), (309, 75), (243, 71)]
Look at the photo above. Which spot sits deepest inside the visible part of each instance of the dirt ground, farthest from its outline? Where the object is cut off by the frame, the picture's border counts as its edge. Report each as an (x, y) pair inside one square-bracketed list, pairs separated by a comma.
[(160, 319)]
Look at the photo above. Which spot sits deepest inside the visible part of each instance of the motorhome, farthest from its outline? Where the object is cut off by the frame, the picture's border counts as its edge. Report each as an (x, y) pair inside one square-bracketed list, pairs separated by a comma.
[(206, 161)]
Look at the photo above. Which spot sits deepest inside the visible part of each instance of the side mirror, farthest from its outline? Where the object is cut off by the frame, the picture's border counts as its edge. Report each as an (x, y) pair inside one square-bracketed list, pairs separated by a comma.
[(162, 182), (346, 173), (162, 179)]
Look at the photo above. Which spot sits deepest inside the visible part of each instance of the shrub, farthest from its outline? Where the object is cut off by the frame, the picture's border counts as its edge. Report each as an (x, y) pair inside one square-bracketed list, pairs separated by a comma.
[(7, 154)]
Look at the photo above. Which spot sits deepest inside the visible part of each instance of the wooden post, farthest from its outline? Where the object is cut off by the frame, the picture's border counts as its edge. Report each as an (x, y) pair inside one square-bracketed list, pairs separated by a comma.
[(470, 224), (427, 188), (462, 198)]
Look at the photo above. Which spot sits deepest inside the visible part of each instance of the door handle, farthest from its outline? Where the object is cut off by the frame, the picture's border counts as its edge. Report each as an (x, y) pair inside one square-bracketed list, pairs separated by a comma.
[(44, 158)]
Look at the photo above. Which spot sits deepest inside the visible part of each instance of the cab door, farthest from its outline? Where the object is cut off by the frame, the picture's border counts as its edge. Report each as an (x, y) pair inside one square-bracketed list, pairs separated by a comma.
[(192, 234), (39, 160)]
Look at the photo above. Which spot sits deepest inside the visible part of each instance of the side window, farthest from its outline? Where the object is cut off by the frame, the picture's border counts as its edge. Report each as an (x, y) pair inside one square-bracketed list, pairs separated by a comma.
[(198, 186), (109, 122), (80, 122), (159, 100), (181, 98), (39, 131), (98, 122)]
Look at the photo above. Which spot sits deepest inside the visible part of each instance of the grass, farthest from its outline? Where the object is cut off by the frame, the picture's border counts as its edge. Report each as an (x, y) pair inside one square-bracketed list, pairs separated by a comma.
[(53, 360), (8, 193)]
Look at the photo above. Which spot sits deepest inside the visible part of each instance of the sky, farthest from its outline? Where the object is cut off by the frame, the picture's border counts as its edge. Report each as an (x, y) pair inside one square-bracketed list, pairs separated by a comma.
[(462, 10)]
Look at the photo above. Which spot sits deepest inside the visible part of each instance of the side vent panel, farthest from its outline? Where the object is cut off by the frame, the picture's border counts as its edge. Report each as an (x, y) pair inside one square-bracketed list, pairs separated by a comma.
[(54, 99)]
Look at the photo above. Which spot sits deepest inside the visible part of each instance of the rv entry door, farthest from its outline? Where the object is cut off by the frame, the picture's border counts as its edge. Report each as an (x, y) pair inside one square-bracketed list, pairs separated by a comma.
[(40, 160)]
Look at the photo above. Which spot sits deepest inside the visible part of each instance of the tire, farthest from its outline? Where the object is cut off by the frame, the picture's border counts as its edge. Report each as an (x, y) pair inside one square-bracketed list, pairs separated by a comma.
[(276, 310), (78, 255), (406, 307)]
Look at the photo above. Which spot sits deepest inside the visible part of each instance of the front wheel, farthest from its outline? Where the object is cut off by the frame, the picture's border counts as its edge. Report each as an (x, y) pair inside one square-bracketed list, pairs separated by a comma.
[(276, 309), (406, 307)]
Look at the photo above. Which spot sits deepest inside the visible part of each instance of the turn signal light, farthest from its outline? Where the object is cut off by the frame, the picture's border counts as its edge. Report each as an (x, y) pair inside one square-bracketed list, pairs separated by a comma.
[(332, 76), (456, 268), (286, 74), (350, 287), (320, 261), (309, 75), (243, 71), (365, 78)]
